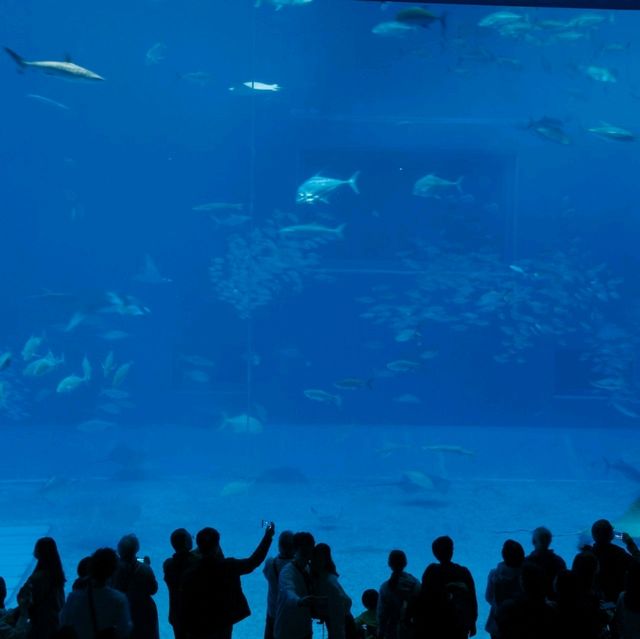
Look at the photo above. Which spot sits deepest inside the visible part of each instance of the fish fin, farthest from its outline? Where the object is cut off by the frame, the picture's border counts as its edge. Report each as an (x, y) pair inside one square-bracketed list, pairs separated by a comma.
[(340, 231), (352, 182), (19, 60), (459, 183)]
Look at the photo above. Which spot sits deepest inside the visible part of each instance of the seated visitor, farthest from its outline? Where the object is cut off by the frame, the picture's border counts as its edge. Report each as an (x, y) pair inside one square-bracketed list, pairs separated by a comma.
[(336, 609), (367, 621), (212, 601), (174, 569), (542, 555), (98, 607), (446, 607), (136, 580), (397, 594), (271, 571), (503, 582)]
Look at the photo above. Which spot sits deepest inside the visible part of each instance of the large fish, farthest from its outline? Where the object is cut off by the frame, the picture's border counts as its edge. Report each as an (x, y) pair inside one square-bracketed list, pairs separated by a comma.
[(66, 70)]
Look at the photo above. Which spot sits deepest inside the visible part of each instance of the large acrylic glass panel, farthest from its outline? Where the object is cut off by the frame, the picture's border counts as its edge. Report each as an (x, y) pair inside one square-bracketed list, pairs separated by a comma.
[(417, 358)]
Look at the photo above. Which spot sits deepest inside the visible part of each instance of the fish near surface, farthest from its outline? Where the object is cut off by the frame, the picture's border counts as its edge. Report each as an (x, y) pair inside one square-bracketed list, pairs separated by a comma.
[(419, 17), (393, 29), (313, 230), (66, 70), (318, 188)]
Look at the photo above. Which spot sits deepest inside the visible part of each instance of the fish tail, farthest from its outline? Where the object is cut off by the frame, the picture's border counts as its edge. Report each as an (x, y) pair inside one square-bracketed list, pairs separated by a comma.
[(340, 231), (338, 401), (352, 182), (459, 183), (19, 60)]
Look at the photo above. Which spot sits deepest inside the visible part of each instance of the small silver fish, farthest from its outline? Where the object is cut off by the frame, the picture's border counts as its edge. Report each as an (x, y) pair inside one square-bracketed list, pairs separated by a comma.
[(318, 188), (322, 396)]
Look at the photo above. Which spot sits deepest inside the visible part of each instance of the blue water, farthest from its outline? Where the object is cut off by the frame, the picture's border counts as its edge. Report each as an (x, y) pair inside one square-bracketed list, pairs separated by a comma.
[(498, 319)]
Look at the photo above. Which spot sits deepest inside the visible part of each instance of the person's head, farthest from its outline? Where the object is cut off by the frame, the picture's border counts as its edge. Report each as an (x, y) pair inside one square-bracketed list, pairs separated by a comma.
[(128, 547), (208, 542), (370, 599), (397, 561), (286, 548), (303, 543), (512, 553), (321, 560), (181, 540), (104, 562), (602, 531), (533, 581), (541, 538), (84, 567), (3, 592), (48, 559), (442, 549)]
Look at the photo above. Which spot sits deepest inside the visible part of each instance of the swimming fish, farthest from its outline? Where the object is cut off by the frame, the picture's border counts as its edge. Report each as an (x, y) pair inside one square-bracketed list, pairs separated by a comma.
[(155, 53), (313, 230), (30, 348), (218, 206), (72, 382), (318, 188), (42, 366), (393, 29), (43, 100), (353, 383), (261, 86), (5, 360), (499, 19), (610, 132), (150, 274), (66, 70), (322, 396), (403, 366), (446, 448), (433, 186), (600, 74), (419, 17), (109, 364), (121, 373), (550, 129)]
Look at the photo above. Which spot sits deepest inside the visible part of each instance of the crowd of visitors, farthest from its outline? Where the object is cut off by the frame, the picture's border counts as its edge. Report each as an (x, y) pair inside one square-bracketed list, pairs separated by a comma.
[(531, 596)]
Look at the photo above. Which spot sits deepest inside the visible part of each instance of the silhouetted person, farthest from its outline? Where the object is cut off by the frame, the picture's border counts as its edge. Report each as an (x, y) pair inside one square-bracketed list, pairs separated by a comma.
[(271, 571), (545, 558), (212, 600), (336, 608), (503, 582), (136, 580), (14, 624), (83, 572), (174, 570), (528, 616), (3, 594), (367, 620), (579, 613), (613, 561), (397, 594), (46, 590), (627, 614), (447, 607), (296, 603), (584, 568), (98, 607)]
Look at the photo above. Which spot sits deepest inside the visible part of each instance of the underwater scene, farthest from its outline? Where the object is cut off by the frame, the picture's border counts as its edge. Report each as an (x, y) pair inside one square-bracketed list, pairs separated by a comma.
[(363, 269)]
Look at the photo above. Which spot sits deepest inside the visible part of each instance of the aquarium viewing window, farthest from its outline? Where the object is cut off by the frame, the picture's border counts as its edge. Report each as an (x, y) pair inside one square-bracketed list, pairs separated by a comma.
[(628, 5)]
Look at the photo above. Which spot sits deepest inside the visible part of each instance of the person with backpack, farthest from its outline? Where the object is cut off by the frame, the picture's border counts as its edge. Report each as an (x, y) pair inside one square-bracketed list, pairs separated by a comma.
[(447, 607), (271, 571)]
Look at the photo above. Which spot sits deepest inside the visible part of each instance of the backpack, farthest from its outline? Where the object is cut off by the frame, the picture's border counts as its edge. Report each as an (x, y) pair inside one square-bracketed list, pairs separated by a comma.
[(461, 605)]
